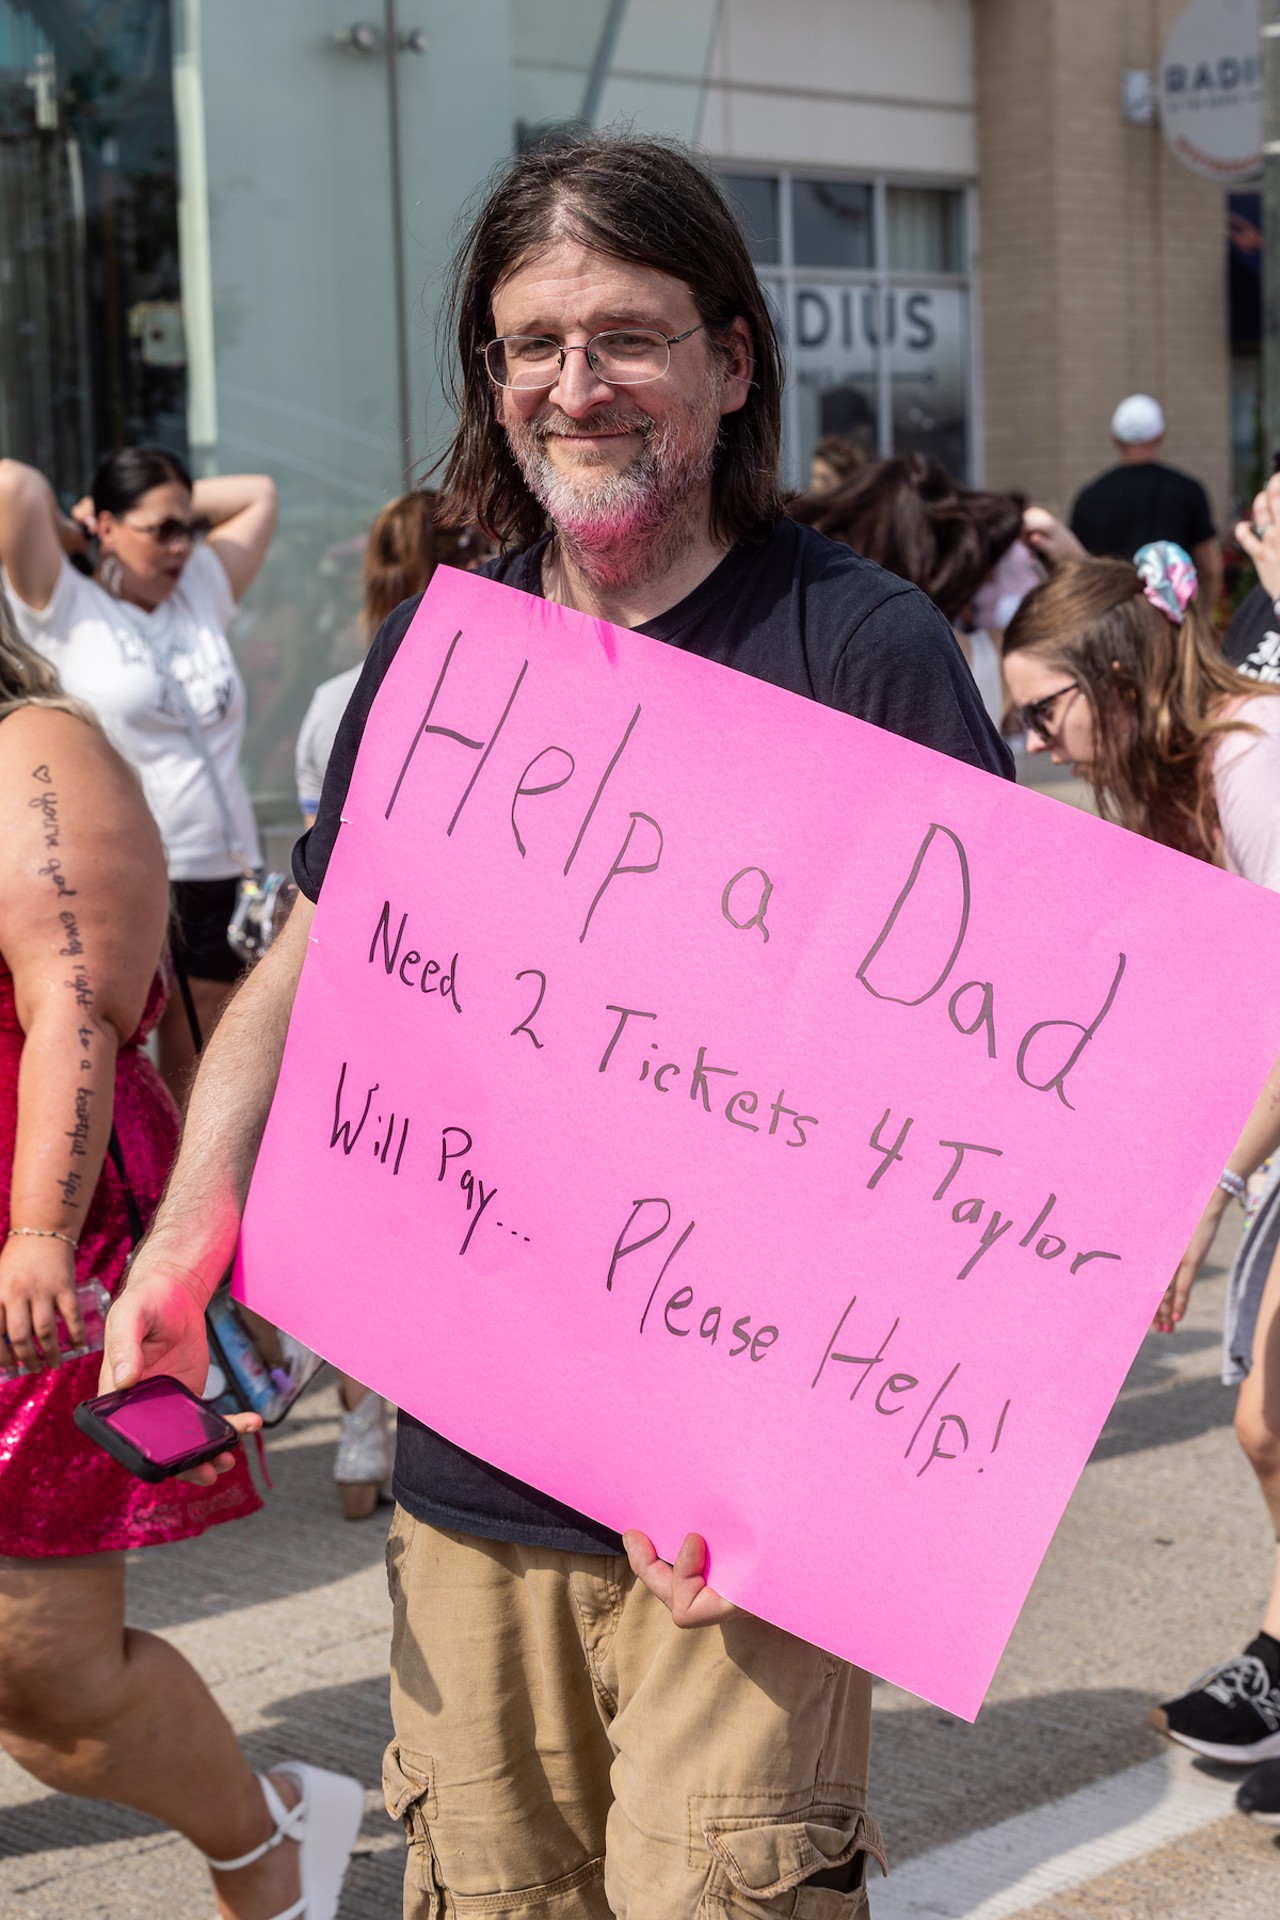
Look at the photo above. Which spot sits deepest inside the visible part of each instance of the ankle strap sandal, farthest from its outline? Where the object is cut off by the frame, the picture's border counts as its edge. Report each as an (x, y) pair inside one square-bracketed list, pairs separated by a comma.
[(323, 1824)]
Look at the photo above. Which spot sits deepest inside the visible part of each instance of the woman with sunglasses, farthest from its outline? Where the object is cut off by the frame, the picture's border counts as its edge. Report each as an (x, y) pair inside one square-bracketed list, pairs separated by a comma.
[(1116, 672), (142, 641)]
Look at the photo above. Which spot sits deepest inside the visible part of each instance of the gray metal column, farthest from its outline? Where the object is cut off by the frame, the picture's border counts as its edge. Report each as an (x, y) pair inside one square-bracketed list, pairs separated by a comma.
[(1270, 229)]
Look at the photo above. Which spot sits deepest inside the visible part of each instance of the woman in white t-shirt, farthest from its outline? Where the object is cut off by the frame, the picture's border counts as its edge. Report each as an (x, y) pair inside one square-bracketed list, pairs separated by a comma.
[(1116, 673), (143, 643)]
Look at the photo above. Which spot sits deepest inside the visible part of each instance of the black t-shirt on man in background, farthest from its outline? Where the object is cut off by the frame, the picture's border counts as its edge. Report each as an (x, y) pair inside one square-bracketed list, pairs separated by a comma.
[(1123, 509), (1252, 642), (805, 614)]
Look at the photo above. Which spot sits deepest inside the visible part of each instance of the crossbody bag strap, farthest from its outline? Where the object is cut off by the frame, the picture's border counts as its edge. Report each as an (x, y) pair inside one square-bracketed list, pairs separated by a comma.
[(132, 1211), (196, 734), (184, 988)]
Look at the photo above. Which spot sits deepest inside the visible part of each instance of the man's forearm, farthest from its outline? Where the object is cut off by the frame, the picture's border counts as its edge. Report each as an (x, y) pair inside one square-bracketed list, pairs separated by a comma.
[(198, 1220)]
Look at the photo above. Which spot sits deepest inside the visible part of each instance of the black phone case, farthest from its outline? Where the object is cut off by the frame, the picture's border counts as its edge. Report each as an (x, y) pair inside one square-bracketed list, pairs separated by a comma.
[(88, 1417), (234, 1390)]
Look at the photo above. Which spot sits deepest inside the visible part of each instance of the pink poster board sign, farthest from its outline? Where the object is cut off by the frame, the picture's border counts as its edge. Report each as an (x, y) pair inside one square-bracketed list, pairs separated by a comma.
[(729, 1117)]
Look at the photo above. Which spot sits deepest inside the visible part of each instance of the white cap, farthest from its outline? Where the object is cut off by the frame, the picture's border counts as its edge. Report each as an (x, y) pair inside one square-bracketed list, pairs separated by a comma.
[(1137, 419)]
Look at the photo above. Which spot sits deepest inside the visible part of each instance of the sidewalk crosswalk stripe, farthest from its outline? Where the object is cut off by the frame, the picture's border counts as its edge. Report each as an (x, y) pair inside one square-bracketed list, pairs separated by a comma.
[(1003, 1870)]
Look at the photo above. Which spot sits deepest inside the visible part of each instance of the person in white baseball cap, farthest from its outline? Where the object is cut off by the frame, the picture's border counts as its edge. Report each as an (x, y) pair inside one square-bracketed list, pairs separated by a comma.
[(1142, 500), (1138, 422)]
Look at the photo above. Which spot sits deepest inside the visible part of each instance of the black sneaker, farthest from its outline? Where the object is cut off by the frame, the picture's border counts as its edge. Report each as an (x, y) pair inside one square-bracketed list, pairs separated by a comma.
[(1231, 1713), (1259, 1797)]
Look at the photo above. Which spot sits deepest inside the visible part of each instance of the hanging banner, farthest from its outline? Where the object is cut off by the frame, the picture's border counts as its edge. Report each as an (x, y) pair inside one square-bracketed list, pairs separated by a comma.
[(729, 1117)]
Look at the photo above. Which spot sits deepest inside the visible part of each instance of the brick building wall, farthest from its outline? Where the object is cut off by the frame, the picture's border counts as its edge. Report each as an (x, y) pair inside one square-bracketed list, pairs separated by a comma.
[(1102, 259)]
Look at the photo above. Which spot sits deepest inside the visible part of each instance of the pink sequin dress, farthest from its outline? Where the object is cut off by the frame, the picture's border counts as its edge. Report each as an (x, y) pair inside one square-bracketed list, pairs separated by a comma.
[(59, 1493)]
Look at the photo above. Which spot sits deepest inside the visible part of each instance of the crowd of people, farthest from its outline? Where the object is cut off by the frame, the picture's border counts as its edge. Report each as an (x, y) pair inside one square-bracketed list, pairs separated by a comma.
[(616, 452)]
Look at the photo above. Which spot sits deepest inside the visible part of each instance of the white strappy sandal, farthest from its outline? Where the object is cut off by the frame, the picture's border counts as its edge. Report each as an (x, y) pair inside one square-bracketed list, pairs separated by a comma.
[(324, 1824)]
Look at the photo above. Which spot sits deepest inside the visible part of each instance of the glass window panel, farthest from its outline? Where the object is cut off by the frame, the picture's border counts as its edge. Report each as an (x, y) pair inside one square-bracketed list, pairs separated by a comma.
[(832, 223), (926, 230), (927, 332), (92, 347), (754, 197), (831, 343), (554, 44)]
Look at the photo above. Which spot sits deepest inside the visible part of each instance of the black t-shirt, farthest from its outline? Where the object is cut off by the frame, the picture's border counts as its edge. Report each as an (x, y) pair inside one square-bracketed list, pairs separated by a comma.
[(1252, 642), (1121, 510), (798, 611)]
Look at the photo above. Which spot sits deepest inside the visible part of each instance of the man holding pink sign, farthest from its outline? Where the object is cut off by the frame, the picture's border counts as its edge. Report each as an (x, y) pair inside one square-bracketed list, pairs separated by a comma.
[(561, 1744)]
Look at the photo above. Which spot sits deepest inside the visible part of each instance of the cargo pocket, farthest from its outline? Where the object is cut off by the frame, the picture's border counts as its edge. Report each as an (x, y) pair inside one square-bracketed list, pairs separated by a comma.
[(409, 1791), (575, 1896), (408, 1786), (767, 1867)]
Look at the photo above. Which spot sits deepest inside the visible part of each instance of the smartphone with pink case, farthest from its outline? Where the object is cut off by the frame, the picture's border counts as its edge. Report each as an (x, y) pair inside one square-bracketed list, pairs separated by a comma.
[(157, 1429)]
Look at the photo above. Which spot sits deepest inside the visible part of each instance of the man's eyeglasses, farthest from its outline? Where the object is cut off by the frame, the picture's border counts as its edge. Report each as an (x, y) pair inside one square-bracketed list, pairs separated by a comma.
[(172, 533), (621, 357), (1037, 716)]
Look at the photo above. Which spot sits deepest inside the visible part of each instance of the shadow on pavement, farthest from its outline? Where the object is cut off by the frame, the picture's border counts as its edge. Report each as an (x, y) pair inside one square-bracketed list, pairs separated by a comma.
[(344, 1727), (298, 1542), (935, 1778), (54, 1822), (1179, 1412)]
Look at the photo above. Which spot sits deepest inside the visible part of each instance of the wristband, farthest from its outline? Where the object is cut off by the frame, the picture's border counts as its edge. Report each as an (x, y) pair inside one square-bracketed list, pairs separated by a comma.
[(1232, 1183)]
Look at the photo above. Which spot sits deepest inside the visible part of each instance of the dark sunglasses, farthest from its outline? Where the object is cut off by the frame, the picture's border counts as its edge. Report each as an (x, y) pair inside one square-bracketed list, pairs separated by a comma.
[(1035, 717), (166, 533)]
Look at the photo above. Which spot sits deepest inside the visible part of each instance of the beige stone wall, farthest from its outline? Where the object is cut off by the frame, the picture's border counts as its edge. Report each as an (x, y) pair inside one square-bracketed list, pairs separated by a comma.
[(1102, 259)]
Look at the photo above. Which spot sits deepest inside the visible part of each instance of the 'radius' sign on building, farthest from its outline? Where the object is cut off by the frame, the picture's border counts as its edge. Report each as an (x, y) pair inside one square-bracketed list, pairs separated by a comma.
[(1211, 90)]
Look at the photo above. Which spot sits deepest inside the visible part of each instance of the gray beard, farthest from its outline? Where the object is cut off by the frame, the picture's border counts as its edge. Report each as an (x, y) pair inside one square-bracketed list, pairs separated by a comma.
[(623, 526)]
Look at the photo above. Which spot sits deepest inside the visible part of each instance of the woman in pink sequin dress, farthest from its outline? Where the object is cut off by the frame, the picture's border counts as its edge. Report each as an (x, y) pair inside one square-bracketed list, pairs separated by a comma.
[(59, 1493), (89, 1706)]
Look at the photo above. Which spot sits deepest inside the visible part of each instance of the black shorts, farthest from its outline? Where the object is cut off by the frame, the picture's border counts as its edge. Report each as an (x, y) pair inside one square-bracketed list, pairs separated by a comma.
[(199, 913)]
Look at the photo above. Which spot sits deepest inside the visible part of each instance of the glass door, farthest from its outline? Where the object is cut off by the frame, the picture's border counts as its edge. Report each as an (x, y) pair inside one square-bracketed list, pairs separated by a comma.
[(91, 339)]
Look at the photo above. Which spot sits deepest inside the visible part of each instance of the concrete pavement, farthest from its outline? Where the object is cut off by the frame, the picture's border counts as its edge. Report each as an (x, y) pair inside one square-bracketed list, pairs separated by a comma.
[(1159, 1567), (1060, 1804)]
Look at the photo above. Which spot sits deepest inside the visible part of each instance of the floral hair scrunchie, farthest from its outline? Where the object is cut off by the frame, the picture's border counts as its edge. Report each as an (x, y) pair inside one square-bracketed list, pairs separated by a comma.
[(1168, 576)]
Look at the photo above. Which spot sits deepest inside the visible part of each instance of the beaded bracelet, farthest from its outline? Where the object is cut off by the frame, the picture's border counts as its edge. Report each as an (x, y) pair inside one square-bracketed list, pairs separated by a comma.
[(44, 1233), (1232, 1183)]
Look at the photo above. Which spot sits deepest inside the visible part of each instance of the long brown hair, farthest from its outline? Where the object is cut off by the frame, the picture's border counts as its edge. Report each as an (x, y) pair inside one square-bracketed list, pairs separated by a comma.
[(405, 546), (1155, 691), (909, 515), (650, 204)]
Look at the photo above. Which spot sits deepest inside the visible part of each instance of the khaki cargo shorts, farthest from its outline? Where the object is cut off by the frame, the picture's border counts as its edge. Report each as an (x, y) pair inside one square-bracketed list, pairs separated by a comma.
[(563, 1751)]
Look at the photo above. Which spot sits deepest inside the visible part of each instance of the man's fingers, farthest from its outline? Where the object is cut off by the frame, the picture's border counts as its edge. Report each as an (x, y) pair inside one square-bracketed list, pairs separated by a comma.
[(641, 1553), (681, 1587), (1248, 539), (128, 1324), (243, 1423), (207, 1473), (691, 1561), (647, 1567)]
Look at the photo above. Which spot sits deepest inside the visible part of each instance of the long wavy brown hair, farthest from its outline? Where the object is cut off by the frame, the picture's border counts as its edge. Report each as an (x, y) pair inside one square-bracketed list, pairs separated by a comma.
[(1156, 693), (405, 546), (649, 203), (908, 514)]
